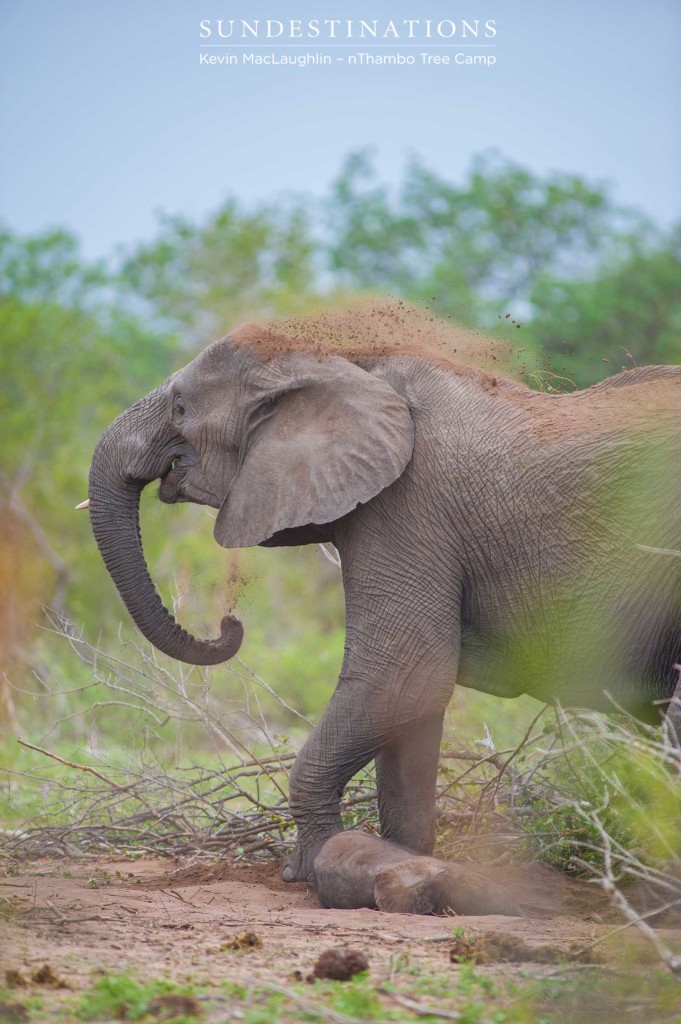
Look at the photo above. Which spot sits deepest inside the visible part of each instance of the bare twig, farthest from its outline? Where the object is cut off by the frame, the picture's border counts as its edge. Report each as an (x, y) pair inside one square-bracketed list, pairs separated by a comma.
[(70, 764), (308, 1005), (420, 1009)]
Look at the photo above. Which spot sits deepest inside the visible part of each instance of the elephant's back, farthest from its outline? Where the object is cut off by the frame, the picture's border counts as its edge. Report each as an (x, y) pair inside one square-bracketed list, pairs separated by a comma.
[(644, 402), (647, 398)]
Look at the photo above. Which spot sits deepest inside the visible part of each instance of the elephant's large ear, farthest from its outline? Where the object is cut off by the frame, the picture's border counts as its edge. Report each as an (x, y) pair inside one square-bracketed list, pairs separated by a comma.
[(334, 436)]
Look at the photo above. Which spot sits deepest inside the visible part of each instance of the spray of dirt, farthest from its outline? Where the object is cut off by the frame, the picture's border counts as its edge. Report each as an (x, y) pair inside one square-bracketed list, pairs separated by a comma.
[(371, 329)]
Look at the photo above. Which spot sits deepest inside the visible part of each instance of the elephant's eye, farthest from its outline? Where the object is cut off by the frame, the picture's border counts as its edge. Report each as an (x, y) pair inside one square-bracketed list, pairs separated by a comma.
[(178, 406)]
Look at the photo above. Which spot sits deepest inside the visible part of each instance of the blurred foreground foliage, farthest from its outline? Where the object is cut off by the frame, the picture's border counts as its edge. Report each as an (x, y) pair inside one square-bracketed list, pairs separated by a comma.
[(595, 287)]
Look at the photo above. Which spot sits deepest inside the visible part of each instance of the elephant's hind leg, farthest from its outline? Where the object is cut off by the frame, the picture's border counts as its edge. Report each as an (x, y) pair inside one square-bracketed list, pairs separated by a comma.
[(406, 776)]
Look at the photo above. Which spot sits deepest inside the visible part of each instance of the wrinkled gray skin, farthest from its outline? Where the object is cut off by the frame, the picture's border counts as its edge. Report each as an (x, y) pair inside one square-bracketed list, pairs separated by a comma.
[(355, 870), (486, 532)]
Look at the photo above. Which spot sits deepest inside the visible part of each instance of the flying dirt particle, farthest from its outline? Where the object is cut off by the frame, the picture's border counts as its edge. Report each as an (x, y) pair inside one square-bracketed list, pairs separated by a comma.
[(170, 1006), (340, 964), (371, 329), (507, 317), (236, 581), (249, 940), (605, 360)]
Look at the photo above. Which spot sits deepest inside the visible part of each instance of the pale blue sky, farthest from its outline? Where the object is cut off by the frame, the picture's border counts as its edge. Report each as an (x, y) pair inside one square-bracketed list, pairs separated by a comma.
[(107, 116)]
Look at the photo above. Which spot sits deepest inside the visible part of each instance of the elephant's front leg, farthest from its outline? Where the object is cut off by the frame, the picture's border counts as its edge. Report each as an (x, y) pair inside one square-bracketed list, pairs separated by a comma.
[(397, 678), (340, 745), (402, 731)]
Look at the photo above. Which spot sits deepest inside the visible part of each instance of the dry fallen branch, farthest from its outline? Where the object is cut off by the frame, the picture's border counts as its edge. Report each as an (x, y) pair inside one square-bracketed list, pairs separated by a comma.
[(69, 764), (309, 1006), (240, 810), (50, 914), (419, 1009)]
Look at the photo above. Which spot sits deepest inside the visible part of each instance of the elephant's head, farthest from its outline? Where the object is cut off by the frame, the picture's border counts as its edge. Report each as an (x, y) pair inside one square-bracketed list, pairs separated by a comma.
[(272, 436)]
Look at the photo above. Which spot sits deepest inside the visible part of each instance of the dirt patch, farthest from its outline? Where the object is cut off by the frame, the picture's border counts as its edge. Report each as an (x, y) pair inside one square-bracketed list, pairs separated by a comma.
[(544, 892), (183, 922), (266, 874), (14, 1013), (540, 890)]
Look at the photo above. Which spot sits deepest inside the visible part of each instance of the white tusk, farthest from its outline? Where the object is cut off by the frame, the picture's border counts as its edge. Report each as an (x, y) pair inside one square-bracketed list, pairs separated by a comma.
[(83, 504)]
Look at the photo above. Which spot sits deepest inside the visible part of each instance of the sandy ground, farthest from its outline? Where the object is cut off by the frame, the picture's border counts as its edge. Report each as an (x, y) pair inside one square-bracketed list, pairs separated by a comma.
[(158, 919)]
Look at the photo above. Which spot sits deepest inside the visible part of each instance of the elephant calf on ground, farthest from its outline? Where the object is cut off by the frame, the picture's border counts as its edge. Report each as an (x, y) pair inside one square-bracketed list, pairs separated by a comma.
[(509, 540), (355, 870)]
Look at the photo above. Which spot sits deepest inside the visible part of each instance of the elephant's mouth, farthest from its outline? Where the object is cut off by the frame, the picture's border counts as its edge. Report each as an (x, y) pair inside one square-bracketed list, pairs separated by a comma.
[(170, 489), (184, 481)]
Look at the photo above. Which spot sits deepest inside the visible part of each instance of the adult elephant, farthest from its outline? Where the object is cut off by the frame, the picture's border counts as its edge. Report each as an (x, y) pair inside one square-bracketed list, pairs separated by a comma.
[(488, 534)]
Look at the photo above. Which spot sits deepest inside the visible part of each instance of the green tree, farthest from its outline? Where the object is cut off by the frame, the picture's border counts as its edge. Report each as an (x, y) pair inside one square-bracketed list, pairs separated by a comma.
[(47, 268), (237, 264), (482, 244), (68, 365), (73, 355), (628, 314)]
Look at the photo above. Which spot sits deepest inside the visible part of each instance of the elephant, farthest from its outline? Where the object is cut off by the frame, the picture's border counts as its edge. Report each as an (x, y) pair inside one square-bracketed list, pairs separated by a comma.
[(511, 540), (353, 870)]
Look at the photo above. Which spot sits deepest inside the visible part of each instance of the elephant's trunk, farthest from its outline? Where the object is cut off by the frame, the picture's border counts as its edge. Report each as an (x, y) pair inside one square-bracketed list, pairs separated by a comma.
[(116, 483)]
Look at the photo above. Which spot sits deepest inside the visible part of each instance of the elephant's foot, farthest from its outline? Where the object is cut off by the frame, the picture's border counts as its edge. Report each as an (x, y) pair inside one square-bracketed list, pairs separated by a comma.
[(298, 866)]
